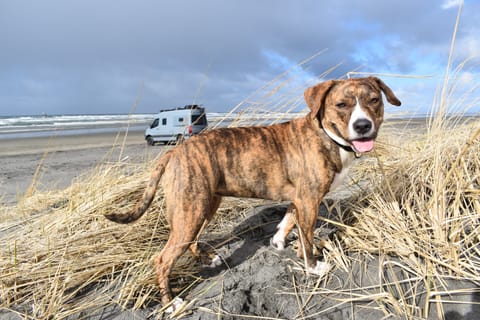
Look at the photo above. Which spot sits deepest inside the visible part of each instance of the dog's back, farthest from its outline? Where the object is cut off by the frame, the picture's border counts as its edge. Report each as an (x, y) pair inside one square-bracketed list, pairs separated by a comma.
[(254, 162)]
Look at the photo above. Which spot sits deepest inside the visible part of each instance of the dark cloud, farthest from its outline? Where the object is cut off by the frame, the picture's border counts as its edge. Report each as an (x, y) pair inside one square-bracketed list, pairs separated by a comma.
[(93, 56)]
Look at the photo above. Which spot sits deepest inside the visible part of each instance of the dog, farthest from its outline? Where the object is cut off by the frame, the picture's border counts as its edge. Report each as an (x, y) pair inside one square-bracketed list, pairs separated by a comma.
[(298, 161)]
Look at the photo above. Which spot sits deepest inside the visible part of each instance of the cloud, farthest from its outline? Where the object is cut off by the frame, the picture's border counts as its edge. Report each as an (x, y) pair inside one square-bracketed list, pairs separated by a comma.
[(90, 56), (468, 47), (449, 4)]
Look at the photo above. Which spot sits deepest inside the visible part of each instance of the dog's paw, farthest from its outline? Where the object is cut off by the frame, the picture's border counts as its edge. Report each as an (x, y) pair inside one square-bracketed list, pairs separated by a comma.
[(216, 262), (174, 305), (320, 269), (213, 262), (277, 242)]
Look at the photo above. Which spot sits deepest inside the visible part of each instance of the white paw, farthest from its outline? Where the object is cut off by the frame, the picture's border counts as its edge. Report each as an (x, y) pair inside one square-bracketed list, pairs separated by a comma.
[(174, 305), (278, 240), (320, 269), (216, 262)]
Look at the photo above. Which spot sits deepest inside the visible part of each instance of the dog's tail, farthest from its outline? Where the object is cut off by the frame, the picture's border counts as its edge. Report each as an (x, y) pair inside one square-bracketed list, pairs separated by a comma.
[(147, 197)]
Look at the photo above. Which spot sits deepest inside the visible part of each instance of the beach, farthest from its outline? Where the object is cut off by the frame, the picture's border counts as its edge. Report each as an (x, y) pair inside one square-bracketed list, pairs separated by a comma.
[(256, 280), (62, 159)]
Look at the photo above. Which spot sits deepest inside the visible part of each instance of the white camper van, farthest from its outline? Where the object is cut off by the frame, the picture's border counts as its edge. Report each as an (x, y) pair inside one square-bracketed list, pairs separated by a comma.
[(175, 125)]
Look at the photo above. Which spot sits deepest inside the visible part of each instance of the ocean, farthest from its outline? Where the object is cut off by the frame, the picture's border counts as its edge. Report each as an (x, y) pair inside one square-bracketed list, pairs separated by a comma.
[(48, 125), (12, 127)]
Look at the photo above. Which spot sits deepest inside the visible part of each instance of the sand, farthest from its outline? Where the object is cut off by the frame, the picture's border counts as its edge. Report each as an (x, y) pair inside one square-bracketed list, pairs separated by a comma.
[(60, 159)]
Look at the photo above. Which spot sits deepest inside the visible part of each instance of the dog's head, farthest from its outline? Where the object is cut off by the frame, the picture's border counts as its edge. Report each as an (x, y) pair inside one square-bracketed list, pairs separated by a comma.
[(350, 111)]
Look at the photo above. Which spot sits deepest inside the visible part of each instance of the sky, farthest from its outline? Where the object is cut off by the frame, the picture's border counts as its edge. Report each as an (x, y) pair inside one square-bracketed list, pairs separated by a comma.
[(119, 56)]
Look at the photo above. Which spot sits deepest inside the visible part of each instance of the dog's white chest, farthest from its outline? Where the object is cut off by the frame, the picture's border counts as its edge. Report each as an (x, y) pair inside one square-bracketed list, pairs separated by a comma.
[(347, 158)]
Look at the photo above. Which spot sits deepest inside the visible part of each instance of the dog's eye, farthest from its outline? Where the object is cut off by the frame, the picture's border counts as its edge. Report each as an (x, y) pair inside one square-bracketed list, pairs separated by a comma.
[(341, 105), (373, 100)]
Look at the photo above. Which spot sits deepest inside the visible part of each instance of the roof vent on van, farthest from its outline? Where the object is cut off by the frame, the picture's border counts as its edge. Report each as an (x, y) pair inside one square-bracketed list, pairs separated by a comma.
[(192, 106), (186, 107)]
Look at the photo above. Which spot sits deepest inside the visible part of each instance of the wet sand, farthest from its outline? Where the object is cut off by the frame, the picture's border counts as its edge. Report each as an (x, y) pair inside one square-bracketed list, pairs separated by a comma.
[(60, 159)]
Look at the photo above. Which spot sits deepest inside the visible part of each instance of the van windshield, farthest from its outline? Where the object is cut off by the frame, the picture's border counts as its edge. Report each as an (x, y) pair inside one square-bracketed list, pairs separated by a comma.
[(154, 124), (199, 119)]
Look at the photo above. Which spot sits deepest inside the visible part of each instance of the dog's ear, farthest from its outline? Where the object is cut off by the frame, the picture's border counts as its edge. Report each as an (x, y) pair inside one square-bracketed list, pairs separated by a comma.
[(387, 91), (315, 96)]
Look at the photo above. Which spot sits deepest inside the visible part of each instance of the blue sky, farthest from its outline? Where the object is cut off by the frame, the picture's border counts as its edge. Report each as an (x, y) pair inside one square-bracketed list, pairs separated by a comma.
[(95, 57)]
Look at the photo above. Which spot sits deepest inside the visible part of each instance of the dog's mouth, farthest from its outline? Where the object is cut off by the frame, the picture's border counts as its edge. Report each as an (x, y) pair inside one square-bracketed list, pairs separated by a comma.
[(363, 145)]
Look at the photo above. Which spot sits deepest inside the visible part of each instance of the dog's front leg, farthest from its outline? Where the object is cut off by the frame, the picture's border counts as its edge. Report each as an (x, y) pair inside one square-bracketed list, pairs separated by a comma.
[(284, 228), (306, 217)]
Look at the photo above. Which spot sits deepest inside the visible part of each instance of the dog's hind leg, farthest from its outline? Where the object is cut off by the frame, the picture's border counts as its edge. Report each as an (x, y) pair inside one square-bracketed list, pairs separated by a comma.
[(184, 228), (196, 251), (208, 256), (174, 248)]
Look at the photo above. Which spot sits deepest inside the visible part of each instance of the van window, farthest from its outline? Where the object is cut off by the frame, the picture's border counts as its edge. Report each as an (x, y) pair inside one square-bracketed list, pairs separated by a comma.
[(164, 121), (154, 124), (180, 119), (199, 119)]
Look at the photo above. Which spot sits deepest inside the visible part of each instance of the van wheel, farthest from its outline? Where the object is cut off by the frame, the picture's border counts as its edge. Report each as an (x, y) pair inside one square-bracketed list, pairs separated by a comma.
[(179, 139), (150, 141)]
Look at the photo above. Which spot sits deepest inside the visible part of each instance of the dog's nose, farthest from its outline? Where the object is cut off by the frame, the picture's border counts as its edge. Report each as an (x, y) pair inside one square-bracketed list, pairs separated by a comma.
[(362, 126)]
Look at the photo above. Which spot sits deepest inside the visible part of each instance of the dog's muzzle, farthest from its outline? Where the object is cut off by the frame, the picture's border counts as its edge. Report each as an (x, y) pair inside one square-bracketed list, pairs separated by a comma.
[(365, 135), (362, 126)]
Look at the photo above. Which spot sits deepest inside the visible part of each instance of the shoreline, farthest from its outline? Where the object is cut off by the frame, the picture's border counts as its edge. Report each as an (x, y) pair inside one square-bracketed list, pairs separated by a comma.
[(54, 162)]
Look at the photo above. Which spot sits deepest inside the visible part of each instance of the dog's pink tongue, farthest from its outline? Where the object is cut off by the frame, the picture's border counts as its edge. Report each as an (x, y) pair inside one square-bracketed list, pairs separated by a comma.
[(363, 145)]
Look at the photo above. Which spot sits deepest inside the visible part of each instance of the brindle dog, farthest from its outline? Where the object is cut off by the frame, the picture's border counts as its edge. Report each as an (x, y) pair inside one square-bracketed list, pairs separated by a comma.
[(298, 161)]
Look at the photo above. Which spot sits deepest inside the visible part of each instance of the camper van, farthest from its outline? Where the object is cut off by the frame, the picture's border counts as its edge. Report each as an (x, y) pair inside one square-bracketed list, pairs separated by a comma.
[(176, 125)]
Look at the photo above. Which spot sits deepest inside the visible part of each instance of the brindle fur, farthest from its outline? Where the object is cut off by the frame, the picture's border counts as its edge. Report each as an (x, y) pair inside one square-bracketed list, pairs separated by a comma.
[(293, 161)]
